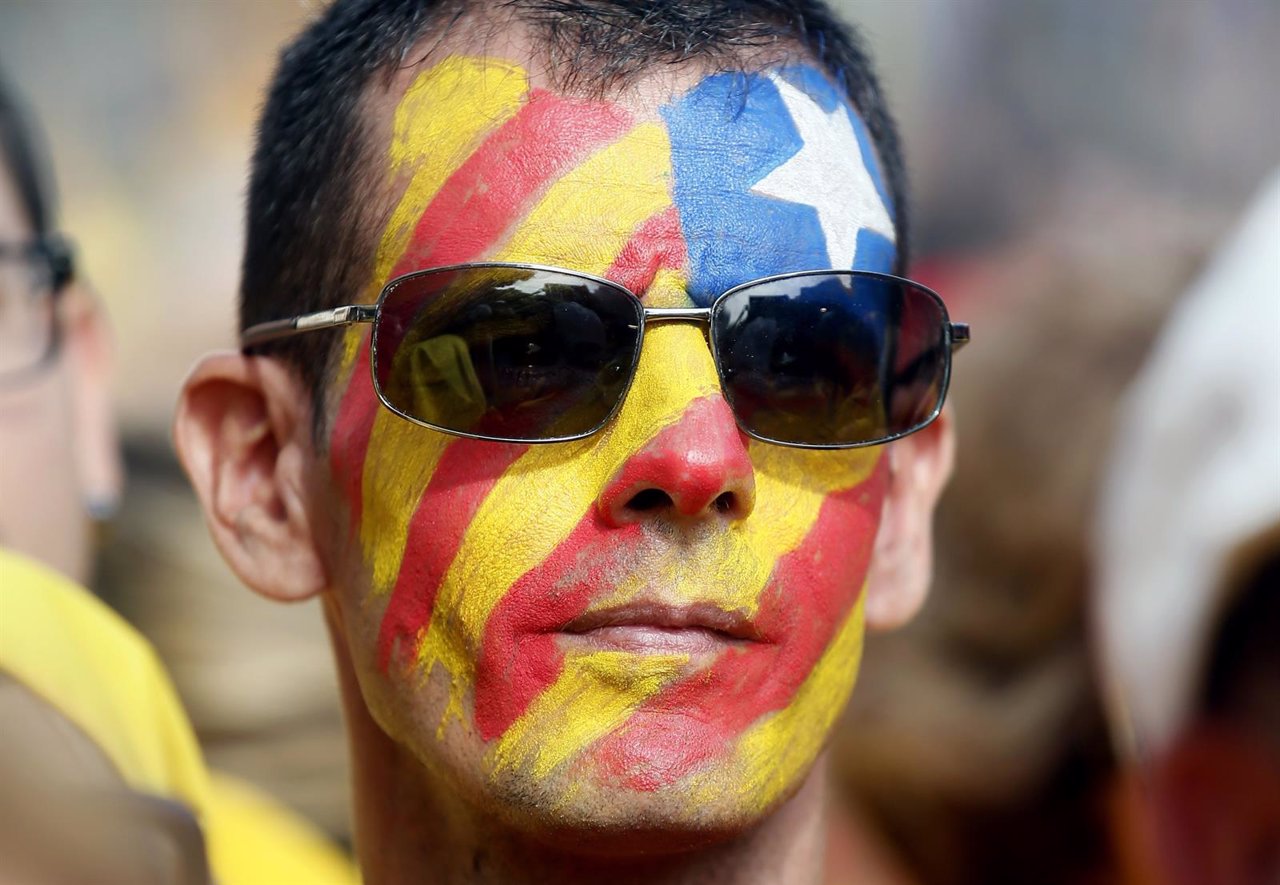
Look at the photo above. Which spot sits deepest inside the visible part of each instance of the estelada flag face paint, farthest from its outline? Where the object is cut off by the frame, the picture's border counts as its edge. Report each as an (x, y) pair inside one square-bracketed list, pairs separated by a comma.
[(479, 558)]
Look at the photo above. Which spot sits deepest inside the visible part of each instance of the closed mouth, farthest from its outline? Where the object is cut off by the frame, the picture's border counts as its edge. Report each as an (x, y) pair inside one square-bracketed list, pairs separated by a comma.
[(650, 627)]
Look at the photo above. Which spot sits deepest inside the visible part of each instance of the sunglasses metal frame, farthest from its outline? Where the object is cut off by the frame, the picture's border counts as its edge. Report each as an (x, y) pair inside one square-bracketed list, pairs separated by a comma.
[(955, 336)]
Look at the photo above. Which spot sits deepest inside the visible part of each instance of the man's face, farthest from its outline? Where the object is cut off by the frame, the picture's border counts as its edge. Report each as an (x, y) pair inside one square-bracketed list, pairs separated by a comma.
[(658, 625)]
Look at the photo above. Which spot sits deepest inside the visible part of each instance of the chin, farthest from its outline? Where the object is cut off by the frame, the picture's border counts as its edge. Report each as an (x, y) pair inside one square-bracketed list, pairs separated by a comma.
[(581, 812)]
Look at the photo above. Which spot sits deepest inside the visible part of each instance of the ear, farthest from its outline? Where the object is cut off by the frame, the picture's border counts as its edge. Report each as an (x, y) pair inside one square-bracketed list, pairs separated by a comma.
[(902, 565), (87, 344), (243, 434)]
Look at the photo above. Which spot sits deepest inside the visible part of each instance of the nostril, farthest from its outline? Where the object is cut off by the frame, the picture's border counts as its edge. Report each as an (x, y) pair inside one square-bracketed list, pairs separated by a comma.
[(725, 502), (649, 499)]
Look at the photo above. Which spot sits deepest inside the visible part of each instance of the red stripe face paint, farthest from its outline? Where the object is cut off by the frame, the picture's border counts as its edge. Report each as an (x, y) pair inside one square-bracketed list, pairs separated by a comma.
[(462, 480), (495, 184), (650, 613), (658, 245), (805, 603)]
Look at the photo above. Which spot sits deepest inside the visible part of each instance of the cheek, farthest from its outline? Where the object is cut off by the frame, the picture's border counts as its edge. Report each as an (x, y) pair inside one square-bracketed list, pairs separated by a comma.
[(820, 579), (42, 508), (770, 758), (407, 507)]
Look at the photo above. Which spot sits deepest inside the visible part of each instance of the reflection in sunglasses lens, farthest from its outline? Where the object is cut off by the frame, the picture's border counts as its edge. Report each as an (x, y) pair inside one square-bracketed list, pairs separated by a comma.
[(512, 353), (829, 360)]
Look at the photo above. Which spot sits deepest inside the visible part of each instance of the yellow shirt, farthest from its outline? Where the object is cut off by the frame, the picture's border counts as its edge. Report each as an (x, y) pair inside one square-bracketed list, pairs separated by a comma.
[(93, 668)]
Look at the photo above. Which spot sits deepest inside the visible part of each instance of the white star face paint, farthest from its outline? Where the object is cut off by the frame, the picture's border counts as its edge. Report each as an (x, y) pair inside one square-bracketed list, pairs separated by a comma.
[(828, 173), (775, 172)]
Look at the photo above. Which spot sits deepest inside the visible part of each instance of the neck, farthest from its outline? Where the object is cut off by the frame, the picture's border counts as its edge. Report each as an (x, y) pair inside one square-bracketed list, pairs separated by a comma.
[(410, 831)]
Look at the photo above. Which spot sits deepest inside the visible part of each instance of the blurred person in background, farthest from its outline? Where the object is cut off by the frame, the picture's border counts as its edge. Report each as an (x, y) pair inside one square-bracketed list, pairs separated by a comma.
[(59, 456), (61, 746), (1078, 163), (103, 780), (617, 656), (1186, 611)]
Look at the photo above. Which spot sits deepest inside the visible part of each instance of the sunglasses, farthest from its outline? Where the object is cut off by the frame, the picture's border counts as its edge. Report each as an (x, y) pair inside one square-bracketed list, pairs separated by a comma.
[(528, 354)]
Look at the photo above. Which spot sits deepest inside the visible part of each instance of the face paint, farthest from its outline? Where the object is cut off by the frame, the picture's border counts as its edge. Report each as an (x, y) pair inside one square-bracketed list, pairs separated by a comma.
[(807, 510), (479, 554), (774, 172)]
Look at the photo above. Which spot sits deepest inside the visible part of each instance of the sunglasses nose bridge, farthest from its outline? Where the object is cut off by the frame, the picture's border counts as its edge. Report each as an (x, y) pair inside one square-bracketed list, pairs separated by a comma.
[(677, 314), (654, 316), (674, 368)]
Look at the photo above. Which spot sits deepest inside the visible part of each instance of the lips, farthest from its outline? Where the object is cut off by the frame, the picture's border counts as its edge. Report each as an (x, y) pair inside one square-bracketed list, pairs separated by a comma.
[(655, 627)]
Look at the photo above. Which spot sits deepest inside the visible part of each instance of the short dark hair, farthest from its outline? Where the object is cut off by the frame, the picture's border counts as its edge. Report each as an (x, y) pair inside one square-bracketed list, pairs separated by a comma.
[(309, 207)]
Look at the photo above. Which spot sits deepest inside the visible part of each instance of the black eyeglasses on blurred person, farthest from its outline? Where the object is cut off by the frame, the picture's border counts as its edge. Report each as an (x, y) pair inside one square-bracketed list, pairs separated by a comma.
[(33, 274)]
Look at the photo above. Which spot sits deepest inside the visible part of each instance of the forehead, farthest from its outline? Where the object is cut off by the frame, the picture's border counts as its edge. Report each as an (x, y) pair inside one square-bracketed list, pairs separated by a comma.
[(717, 178)]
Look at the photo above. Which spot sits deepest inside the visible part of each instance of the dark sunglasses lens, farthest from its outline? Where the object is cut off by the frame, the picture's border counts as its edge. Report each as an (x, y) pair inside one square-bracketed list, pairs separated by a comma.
[(831, 359), (510, 353)]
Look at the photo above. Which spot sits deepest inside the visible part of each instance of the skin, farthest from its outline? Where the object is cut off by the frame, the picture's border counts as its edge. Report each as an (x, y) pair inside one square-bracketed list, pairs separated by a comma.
[(58, 453), (520, 704), (58, 448)]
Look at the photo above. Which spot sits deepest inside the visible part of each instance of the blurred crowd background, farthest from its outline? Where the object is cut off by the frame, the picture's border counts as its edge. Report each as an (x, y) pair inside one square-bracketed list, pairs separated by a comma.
[(1074, 167)]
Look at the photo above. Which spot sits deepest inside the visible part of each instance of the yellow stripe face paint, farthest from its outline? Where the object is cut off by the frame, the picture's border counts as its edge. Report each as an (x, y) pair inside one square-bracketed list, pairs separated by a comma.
[(597, 692), (773, 755), (667, 610), (445, 113), (619, 188), (443, 116)]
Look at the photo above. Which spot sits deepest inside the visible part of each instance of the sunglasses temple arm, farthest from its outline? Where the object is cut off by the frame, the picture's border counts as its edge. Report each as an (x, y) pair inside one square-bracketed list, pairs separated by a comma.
[(346, 315), (959, 335)]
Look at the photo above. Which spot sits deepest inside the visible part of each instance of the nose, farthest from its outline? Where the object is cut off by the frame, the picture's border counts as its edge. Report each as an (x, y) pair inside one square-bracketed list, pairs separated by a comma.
[(696, 468)]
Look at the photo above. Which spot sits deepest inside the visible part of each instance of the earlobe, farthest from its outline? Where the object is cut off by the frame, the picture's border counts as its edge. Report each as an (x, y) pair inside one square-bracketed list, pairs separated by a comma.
[(242, 432), (902, 565), (88, 346)]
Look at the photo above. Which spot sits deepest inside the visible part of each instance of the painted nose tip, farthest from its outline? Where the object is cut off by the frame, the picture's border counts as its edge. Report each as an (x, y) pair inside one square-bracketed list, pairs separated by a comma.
[(696, 468)]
